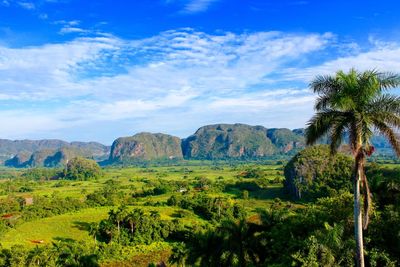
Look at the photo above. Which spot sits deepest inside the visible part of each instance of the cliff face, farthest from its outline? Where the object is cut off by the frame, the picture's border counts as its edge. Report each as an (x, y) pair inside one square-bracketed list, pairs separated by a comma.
[(219, 141), (228, 141), (285, 140), (146, 146)]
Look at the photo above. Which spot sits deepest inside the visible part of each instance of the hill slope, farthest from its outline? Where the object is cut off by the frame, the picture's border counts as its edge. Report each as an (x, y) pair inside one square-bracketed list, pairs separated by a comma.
[(228, 141), (23, 153), (145, 146)]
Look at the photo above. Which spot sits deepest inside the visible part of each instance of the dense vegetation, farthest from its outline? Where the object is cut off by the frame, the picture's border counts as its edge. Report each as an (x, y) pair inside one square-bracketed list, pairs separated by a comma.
[(356, 103), (314, 172), (200, 214)]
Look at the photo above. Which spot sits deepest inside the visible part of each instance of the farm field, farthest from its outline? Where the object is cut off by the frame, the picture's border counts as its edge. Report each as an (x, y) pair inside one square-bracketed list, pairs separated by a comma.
[(75, 225), (136, 216)]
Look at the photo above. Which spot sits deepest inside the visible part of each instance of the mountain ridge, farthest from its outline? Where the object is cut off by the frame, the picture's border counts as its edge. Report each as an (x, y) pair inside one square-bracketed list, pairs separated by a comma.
[(209, 142)]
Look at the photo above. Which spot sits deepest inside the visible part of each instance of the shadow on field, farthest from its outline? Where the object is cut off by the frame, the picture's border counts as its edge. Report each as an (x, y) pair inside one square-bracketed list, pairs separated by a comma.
[(255, 191), (65, 239), (84, 226)]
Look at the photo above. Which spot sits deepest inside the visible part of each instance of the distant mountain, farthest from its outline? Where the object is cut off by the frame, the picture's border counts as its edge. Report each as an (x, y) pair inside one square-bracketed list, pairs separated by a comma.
[(218, 141), (146, 146), (221, 141), (24, 153), (286, 140)]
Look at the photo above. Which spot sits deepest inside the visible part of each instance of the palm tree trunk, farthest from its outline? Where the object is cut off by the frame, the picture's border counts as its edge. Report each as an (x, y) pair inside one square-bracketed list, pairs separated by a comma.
[(358, 232)]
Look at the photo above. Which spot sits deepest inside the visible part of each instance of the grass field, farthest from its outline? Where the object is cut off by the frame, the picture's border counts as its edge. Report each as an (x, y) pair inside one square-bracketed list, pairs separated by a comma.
[(62, 227), (73, 226)]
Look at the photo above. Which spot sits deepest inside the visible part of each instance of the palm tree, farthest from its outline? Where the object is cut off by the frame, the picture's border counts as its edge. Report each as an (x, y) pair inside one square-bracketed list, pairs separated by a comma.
[(179, 254), (237, 237), (118, 216), (93, 231), (131, 220), (356, 104), (205, 249)]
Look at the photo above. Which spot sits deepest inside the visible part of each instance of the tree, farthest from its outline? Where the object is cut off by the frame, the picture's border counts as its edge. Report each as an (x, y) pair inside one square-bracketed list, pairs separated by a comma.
[(82, 169), (236, 243), (118, 216), (356, 103), (206, 249), (179, 254), (93, 231)]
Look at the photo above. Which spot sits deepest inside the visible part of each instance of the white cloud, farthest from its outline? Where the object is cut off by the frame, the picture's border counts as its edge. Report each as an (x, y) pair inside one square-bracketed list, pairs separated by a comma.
[(192, 6), (5, 3), (383, 57), (68, 29), (173, 82), (27, 5), (195, 6)]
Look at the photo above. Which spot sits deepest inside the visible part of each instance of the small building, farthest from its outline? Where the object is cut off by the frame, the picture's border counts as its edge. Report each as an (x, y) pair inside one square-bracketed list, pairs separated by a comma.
[(28, 201), (182, 190)]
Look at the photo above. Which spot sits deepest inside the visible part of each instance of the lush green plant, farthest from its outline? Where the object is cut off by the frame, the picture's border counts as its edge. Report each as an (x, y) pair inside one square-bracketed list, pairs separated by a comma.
[(82, 169), (314, 172), (356, 103)]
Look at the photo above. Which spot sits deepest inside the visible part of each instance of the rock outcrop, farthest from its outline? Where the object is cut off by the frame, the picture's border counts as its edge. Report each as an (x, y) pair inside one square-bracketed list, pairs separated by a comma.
[(146, 146), (222, 141)]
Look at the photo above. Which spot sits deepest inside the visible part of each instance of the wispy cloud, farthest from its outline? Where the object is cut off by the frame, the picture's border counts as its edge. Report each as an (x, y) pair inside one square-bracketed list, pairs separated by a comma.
[(195, 6), (5, 3), (67, 29), (149, 83), (192, 6), (27, 5)]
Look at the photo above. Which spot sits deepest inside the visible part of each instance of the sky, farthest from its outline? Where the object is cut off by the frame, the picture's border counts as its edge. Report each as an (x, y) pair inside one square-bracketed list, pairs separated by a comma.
[(97, 70)]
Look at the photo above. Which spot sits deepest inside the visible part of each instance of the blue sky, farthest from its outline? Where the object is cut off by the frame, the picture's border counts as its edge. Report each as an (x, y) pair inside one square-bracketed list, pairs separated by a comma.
[(97, 70)]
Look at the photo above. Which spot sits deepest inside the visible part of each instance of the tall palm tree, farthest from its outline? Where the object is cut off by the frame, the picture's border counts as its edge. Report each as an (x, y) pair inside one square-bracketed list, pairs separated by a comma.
[(237, 236), (93, 231), (356, 104), (179, 254)]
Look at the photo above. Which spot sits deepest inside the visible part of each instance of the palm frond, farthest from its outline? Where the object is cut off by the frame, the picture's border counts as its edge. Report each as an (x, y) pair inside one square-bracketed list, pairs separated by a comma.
[(323, 84), (388, 132), (384, 103), (322, 122), (388, 80), (337, 134), (367, 201)]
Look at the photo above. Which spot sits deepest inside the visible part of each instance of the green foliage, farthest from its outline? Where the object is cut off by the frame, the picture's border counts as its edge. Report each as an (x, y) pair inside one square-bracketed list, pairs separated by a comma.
[(209, 208), (314, 172), (41, 174), (109, 195), (245, 194), (219, 226), (135, 227), (251, 172), (82, 169)]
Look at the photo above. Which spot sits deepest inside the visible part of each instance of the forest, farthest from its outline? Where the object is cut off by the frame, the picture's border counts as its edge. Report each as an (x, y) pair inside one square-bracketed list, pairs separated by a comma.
[(196, 214)]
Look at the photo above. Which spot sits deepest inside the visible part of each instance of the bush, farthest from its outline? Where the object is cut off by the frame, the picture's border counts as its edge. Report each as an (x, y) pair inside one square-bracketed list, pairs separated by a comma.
[(82, 169), (314, 173)]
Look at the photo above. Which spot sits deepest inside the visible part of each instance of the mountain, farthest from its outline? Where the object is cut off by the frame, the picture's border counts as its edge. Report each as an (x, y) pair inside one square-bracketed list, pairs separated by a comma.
[(49, 153), (218, 141), (221, 141), (286, 140), (146, 146)]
